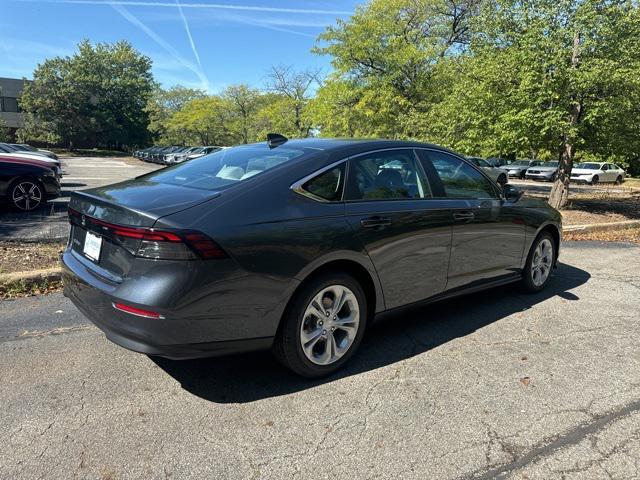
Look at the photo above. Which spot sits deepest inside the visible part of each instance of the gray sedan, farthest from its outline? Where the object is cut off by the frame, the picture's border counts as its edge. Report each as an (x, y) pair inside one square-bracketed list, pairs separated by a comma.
[(296, 246), (546, 172)]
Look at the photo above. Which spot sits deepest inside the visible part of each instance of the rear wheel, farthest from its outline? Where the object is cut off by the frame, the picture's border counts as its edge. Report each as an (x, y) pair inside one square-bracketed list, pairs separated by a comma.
[(323, 326), (595, 180), (502, 180), (26, 194), (537, 270)]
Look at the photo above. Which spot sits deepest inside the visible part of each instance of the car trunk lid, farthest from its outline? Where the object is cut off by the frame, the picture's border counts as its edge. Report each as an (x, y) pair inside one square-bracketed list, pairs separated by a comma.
[(135, 204)]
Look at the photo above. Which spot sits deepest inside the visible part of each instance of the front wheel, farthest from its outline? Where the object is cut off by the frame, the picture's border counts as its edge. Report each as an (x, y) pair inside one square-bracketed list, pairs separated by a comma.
[(26, 195), (323, 326), (619, 180), (537, 270), (502, 180), (595, 180)]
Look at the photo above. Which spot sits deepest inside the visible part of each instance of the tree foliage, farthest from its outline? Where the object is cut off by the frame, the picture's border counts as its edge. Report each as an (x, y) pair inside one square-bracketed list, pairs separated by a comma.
[(96, 97), (544, 79)]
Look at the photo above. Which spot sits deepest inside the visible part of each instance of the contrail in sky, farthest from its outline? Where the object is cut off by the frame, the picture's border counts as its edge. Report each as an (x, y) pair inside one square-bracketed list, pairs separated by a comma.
[(188, 30), (220, 6)]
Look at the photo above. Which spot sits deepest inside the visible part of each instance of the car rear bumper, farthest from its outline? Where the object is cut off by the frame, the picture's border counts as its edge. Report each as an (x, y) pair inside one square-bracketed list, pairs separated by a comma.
[(169, 337)]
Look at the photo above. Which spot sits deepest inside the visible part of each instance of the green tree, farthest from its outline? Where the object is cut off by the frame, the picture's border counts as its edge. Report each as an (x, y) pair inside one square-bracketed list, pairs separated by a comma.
[(385, 59), (204, 121), (245, 103), (288, 108), (165, 103), (96, 97), (4, 131), (569, 69)]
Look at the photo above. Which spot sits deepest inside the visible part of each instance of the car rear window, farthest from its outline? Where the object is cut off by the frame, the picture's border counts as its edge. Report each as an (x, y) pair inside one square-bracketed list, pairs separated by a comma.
[(226, 167)]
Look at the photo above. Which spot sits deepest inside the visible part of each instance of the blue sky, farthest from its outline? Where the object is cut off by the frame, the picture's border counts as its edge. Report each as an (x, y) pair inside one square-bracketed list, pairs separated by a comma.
[(206, 44)]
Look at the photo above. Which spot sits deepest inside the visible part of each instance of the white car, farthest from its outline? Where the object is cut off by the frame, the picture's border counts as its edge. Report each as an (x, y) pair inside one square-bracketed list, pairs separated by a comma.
[(596, 172)]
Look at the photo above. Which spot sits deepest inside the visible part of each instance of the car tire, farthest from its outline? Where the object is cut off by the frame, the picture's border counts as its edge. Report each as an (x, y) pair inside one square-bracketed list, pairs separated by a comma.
[(595, 180), (502, 180), (619, 180), (540, 262), (328, 345), (553, 178), (26, 194), (522, 176)]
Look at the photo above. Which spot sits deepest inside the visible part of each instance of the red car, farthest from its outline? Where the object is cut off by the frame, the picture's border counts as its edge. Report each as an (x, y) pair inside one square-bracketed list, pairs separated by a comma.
[(27, 184)]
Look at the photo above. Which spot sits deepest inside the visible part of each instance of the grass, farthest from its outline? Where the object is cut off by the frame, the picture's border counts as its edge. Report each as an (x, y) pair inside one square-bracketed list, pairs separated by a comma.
[(25, 256), (22, 288)]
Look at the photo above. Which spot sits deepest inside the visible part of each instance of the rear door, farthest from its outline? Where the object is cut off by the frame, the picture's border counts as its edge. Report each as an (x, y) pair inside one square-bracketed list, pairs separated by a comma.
[(488, 234), (406, 232)]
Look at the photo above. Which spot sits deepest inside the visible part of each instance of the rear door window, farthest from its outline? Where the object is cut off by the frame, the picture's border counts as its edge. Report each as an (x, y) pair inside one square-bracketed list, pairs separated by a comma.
[(386, 175)]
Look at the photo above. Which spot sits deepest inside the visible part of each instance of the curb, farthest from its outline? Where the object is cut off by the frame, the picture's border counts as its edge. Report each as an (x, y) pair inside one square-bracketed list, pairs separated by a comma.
[(31, 277), (598, 227)]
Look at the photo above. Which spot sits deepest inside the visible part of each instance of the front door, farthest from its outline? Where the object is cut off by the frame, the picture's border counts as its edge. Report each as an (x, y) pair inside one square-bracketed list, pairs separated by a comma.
[(406, 232), (488, 234)]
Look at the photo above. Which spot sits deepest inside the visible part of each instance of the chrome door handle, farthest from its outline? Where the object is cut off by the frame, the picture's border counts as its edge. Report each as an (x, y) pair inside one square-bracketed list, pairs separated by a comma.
[(375, 222)]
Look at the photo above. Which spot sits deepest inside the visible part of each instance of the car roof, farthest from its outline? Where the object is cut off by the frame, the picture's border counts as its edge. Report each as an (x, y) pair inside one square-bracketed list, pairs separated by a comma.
[(350, 146)]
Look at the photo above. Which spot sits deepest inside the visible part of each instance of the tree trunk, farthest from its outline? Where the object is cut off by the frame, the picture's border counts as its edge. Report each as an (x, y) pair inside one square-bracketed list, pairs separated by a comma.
[(560, 190)]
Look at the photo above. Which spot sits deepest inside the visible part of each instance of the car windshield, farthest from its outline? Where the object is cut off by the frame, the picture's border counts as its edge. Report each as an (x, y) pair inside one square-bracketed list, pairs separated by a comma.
[(522, 163), (588, 166), (551, 164), (225, 167)]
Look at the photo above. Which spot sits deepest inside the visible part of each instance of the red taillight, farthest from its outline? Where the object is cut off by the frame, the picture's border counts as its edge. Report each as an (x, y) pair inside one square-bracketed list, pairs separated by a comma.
[(136, 311), (156, 244)]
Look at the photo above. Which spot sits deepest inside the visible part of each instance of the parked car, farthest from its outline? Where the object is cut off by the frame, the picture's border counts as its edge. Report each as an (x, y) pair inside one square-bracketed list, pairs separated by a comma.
[(200, 152), (498, 162), (596, 172), (546, 171), (6, 148), (26, 184), (296, 246), (7, 152), (519, 168), (497, 174), (28, 148)]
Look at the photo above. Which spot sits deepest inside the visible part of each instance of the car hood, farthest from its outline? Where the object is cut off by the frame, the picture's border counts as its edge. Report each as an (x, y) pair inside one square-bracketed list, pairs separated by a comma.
[(583, 171), (137, 202)]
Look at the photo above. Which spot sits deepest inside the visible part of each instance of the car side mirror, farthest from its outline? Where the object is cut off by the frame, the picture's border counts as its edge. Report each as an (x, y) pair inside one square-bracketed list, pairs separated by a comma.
[(511, 193)]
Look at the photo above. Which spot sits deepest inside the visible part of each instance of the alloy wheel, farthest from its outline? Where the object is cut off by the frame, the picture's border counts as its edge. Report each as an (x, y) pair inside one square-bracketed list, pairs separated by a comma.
[(330, 325), (541, 262), (27, 195)]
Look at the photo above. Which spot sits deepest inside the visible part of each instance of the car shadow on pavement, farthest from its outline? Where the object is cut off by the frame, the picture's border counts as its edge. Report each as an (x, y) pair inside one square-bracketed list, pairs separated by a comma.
[(395, 337)]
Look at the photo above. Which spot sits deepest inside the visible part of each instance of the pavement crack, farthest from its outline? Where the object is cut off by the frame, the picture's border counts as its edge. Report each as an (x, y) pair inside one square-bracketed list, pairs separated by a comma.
[(545, 448)]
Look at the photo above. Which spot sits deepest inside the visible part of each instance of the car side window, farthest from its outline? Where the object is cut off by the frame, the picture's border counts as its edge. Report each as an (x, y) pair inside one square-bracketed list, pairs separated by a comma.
[(386, 175), (605, 167), (459, 179), (327, 185)]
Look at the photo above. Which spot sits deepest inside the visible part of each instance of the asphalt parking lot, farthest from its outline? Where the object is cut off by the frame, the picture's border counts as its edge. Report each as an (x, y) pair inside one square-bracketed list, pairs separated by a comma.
[(498, 385), (50, 223)]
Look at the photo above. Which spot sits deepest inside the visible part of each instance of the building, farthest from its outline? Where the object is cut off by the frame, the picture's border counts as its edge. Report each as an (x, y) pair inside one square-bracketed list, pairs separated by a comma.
[(10, 91)]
